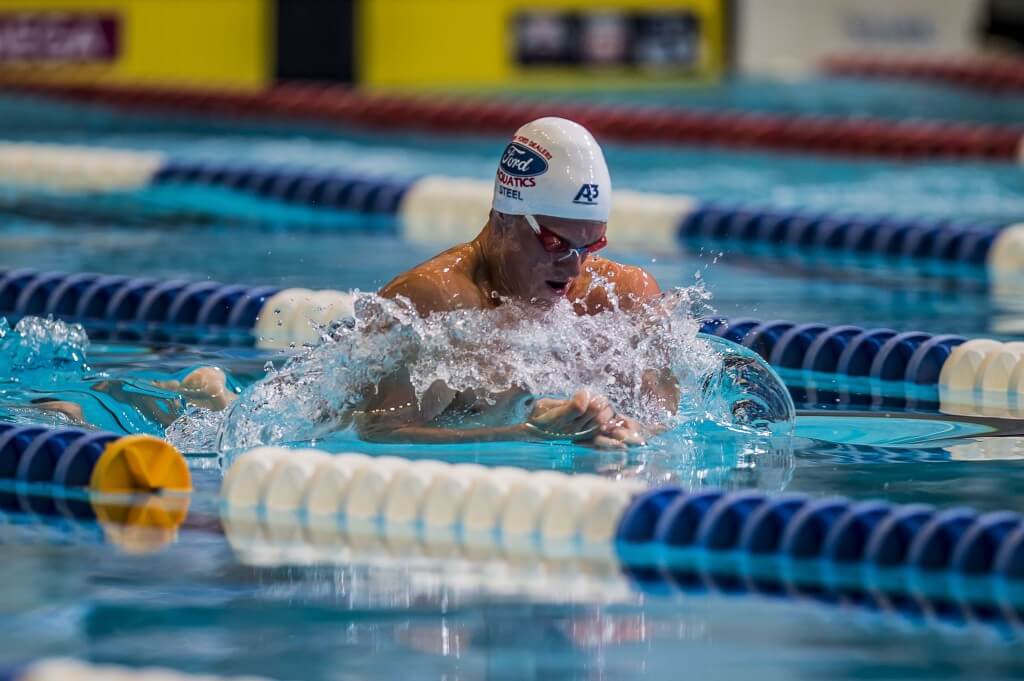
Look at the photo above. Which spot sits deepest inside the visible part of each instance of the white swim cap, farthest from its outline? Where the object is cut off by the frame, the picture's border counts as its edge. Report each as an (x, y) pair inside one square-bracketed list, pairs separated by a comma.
[(555, 167)]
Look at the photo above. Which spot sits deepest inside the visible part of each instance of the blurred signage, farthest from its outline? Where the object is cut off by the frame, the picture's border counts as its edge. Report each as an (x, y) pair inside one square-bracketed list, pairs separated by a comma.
[(792, 37), (650, 40), (59, 37), (201, 42), (867, 28), (539, 43)]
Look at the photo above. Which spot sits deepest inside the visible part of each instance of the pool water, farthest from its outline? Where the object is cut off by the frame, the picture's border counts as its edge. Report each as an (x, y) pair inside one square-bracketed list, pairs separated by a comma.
[(196, 604), (976, 190), (831, 96)]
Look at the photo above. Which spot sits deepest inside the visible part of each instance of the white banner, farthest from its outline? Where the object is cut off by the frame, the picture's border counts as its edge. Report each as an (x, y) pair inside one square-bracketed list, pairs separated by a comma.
[(791, 37)]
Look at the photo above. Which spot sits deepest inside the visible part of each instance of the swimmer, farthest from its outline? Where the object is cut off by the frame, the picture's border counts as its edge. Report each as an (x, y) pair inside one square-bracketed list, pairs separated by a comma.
[(204, 388), (548, 220)]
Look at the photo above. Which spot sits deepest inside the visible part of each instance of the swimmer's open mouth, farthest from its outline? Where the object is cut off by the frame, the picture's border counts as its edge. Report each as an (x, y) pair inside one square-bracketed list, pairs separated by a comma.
[(558, 286)]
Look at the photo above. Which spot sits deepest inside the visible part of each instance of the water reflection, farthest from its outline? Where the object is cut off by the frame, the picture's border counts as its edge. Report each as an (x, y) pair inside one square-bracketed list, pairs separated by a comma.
[(134, 523), (381, 609)]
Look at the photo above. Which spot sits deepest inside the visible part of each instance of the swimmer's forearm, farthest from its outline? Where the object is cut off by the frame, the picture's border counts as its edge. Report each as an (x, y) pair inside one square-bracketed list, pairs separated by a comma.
[(427, 435), (663, 387)]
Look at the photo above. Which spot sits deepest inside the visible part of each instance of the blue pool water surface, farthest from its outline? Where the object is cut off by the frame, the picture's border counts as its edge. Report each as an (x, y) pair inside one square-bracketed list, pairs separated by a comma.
[(196, 605), (835, 96), (866, 186)]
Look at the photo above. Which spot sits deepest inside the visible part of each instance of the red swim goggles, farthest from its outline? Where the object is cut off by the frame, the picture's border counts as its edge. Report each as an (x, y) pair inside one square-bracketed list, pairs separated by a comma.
[(552, 243)]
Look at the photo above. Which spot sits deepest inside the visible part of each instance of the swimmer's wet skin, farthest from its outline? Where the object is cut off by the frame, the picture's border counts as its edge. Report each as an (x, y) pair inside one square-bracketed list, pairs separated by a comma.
[(552, 200)]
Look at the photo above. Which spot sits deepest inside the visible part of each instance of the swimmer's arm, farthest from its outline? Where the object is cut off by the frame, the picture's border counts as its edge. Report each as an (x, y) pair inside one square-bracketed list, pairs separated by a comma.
[(659, 385), (662, 388), (394, 415), (609, 285), (409, 428), (430, 435), (578, 418), (637, 289)]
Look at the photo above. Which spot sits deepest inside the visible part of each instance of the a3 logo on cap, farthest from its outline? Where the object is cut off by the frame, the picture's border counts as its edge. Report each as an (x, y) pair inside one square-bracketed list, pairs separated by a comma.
[(587, 195)]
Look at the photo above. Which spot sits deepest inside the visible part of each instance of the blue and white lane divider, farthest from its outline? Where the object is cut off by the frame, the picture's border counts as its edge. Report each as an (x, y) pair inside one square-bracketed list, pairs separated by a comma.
[(977, 376), (136, 308), (68, 669), (290, 508), (969, 374), (583, 513), (331, 190), (444, 210)]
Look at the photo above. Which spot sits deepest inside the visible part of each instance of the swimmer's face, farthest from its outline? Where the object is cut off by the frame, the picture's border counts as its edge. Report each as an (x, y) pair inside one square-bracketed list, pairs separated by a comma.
[(542, 268)]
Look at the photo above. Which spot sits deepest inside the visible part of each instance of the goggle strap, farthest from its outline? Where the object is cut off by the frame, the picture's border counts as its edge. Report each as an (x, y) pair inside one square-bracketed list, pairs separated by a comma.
[(532, 221)]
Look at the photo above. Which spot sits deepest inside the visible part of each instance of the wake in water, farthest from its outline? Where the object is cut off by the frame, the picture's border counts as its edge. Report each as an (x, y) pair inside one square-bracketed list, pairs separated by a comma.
[(543, 352), (45, 379), (41, 351), (36, 356)]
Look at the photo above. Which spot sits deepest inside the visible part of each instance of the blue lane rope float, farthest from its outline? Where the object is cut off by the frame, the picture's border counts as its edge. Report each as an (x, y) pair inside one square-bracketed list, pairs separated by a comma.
[(137, 524), (136, 308), (883, 354), (119, 299), (835, 530), (978, 376), (326, 189), (105, 462), (951, 241), (443, 210), (82, 475)]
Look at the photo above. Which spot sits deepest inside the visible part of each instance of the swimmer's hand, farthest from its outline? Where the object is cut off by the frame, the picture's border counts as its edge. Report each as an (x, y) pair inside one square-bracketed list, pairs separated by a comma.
[(206, 387), (620, 432), (579, 418)]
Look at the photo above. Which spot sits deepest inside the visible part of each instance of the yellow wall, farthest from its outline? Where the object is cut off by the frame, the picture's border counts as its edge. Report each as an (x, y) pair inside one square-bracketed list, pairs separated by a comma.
[(207, 42), (425, 43)]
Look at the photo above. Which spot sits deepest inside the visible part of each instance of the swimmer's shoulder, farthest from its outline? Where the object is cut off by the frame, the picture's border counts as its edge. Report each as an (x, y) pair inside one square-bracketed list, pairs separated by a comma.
[(633, 285), (441, 284)]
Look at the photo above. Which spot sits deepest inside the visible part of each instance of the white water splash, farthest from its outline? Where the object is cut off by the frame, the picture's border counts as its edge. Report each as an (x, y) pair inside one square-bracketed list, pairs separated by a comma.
[(544, 352), (39, 351)]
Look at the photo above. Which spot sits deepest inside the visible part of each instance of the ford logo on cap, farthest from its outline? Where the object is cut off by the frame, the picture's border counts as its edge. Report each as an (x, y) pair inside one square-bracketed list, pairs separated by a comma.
[(520, 161)]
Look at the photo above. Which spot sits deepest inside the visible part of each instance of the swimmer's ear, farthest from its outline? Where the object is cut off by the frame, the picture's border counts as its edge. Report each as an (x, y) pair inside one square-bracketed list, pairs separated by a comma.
[(503, 227), (499, 220)]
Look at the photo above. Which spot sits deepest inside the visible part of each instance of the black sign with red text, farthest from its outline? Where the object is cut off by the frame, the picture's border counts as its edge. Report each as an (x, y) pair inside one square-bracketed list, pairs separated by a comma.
[(656, 40), (59, 37)]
